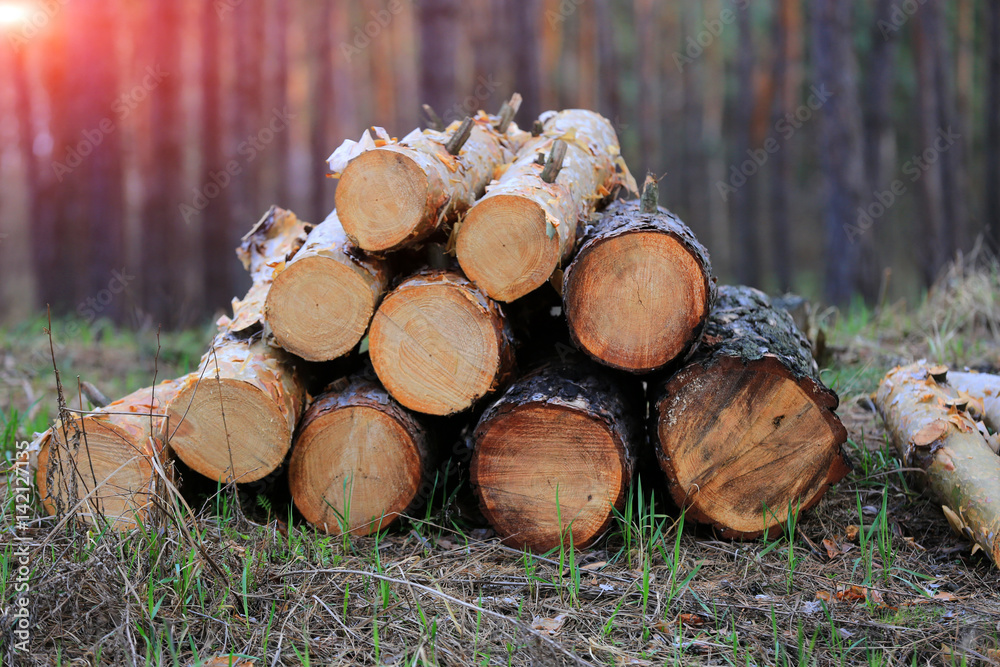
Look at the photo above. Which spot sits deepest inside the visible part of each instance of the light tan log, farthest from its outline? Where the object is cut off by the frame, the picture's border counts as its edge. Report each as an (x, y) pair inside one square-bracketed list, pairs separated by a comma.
[(233, 419), (439, 344), (400, 193), (321, 302), (360, 459), (114, 452), (959, 468), (985, 388), (516, 236)]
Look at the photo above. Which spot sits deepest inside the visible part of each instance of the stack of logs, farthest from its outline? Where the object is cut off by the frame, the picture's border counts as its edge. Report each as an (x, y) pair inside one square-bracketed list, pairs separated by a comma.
[(469, 271)]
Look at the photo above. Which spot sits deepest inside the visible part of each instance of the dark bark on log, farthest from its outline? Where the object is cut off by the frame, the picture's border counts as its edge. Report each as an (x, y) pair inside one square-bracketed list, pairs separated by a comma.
[(360, 459), (640, 289), (566, 431), (747, 423)]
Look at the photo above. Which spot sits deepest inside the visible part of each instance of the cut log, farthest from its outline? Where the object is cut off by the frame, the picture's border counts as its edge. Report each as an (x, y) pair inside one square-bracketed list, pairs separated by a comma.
[(360, 459), (960, 469), (524, 227), (555, 454), (116, 450), (985, 388), (393, 194), (233, 419), (639, 290), (322, 301), (745, 430), (439, 344)]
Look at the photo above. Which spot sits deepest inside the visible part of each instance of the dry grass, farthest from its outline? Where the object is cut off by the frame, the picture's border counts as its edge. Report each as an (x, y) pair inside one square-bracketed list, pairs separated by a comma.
[(241, 575)]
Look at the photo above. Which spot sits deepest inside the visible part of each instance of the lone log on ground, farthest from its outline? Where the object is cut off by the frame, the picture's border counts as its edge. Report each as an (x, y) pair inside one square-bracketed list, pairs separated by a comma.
[(745, 431), (360, 459), (321, 302), (396, 194), (114, 452), (640, 288), (932, 434), (555, 454), (233, 419), (439, 344), (513, 239)]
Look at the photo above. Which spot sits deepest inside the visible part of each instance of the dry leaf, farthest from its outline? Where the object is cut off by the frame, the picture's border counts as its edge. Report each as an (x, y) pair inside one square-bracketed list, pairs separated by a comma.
[(930, 433), (851, 532), (230, 660), (832, 548), (852, 593), (824, 596), (549, 626), (692, 620), (594, 566)]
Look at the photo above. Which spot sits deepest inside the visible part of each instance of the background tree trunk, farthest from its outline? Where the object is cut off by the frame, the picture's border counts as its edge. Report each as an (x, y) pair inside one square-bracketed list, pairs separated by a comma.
[(992, 147), (438, 48), (840, 145), (319, 120), (216, 224), (743, 208)]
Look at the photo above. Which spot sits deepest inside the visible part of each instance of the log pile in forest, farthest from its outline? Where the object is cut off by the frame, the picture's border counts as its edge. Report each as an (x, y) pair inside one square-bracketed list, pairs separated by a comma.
[(463, 268)]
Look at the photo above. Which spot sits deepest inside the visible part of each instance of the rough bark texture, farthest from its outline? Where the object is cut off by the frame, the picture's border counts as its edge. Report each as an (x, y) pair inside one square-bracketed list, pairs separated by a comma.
[(439, 344), (985, 388), (321, 302), (746, 430), (960, 469), (115, 450), (233, 420), (639, 290), (524, 228), (397, 194), (360, 459), (555, 454)]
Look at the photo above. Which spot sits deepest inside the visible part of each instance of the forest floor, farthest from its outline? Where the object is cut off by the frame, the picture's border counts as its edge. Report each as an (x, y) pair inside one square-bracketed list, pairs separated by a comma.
[(872, 575)]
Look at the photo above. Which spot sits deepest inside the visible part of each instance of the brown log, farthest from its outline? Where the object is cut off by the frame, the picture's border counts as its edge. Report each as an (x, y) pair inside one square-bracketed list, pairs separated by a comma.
[(396, 194), (639, 291), (321, 302), (115, 452), (233, 419), (513, 239), (439, 344), (568, 432), (360, 459), (745, 430), (932, 434)]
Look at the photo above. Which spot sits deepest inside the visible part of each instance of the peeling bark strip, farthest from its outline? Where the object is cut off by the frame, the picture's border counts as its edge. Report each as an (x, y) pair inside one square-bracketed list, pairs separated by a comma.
[(930, 433), (233, 419), (746, 423), (524, 228), (360, 459), (569, 431), (639, 291), (119, 449), (394, 194), (323, 300), (439, 344), (985, 388)]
